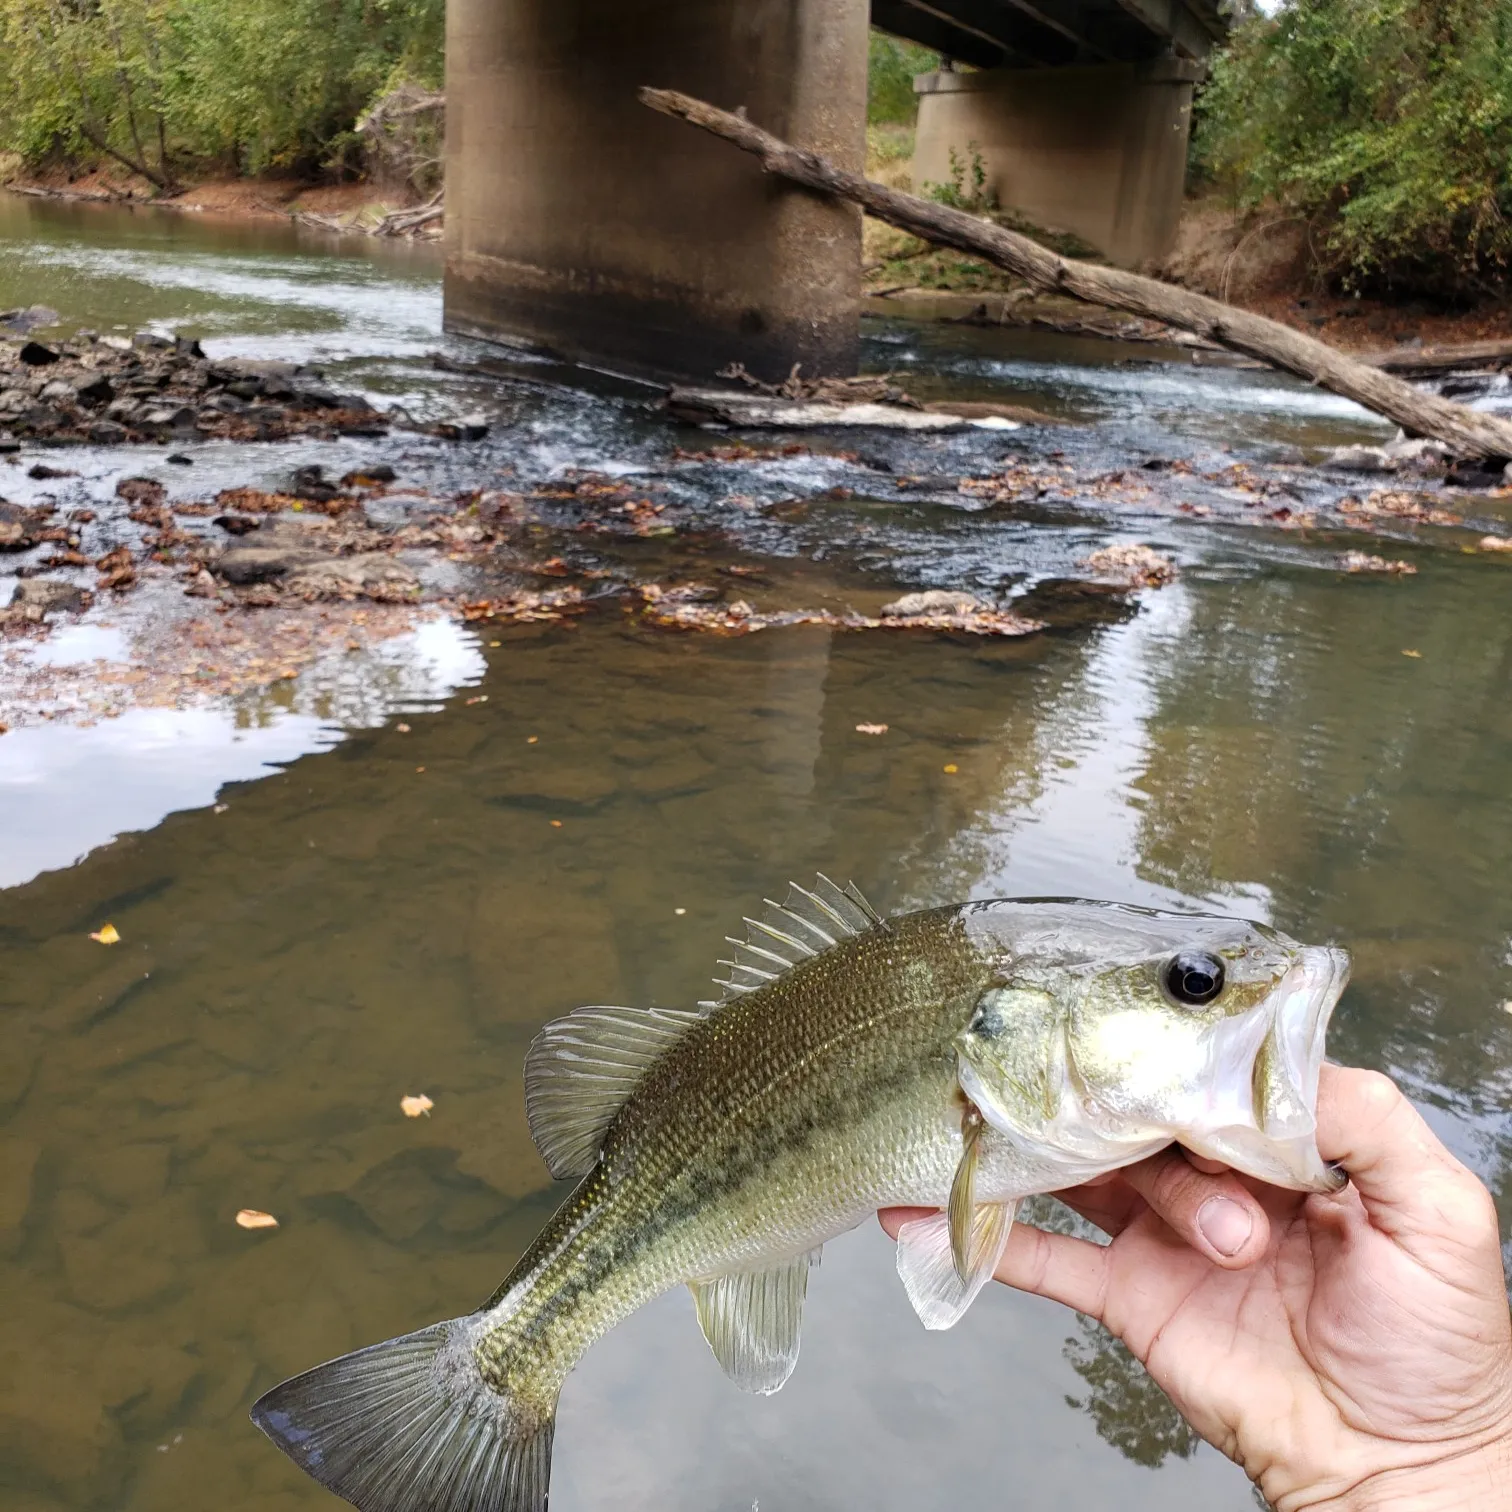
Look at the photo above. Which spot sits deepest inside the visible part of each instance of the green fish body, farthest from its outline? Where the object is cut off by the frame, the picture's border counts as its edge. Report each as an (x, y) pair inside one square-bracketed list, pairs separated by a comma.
[(958, 1058)]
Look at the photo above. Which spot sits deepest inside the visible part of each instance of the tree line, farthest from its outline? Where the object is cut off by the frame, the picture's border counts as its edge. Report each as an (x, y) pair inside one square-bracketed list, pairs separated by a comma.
[(1384, 125)]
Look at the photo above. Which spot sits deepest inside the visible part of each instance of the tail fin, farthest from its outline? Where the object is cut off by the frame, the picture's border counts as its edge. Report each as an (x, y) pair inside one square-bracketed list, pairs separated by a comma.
[(411, 1426)]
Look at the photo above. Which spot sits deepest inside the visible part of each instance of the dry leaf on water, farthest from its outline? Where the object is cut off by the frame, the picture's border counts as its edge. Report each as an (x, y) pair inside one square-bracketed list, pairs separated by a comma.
[(951, 767), (1495, 543), (109, 935), (1415, 655), (250, 1218), (416, 1107), (871, 729)]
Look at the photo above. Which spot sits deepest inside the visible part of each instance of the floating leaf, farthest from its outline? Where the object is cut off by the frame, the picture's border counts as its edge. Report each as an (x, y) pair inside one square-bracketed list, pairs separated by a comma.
[(871, 729), (403, 729), (1415, 655), (556, 824), (109, 935), (951, 767), (416, 1106), (1495, 543), (250, 1218)]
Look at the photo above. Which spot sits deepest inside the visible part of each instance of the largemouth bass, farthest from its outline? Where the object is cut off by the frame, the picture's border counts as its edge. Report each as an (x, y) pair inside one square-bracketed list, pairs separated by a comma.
[(958, 1058)]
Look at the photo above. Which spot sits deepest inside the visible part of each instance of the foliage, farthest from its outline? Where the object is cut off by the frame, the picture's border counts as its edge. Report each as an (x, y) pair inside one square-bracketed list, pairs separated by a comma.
[(956, 194), (247, 84), (891, 66), (1387, 124)]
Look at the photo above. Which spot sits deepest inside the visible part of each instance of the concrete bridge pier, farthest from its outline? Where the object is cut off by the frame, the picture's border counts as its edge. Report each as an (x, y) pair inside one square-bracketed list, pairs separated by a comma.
[(1098, 151), (580, 221)]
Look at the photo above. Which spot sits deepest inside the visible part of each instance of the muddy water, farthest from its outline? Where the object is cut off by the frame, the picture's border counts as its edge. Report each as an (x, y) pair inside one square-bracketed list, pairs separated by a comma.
[(579, 815)]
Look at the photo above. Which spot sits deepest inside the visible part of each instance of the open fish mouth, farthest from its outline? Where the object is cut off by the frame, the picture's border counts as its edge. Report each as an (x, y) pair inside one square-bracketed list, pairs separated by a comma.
[(1276, 1139)]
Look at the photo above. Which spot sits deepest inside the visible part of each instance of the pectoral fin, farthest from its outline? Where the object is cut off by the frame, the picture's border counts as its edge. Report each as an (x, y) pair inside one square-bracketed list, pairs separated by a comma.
[(752, 1322), (961, 1210), (927, 1262)]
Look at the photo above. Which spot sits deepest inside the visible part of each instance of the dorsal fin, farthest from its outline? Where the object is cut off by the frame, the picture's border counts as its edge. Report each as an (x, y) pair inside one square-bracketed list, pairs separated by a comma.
[(579, 1072), (810, 922)]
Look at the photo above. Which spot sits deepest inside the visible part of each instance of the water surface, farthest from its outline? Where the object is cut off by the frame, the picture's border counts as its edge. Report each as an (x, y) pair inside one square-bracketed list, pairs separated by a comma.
[(336, 912)]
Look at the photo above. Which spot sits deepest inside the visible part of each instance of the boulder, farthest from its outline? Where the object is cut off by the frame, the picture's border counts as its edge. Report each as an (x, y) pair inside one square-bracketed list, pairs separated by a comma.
[(48, 596), (932, 601)]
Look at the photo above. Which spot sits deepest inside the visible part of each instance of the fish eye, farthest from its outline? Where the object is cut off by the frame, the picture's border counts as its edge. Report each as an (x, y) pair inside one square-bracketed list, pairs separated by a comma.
[(1193, 978)]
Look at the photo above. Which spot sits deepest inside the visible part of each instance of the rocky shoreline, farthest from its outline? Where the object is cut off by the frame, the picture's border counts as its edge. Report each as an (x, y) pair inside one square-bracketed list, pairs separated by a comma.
[(151, 389)]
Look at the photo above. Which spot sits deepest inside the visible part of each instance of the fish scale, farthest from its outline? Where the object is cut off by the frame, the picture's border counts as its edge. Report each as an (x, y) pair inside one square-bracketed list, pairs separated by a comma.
[(976, 1053)]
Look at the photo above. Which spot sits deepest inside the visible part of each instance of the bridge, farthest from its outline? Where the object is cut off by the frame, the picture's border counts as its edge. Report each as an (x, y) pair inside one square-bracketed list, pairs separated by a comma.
[(581, 222)]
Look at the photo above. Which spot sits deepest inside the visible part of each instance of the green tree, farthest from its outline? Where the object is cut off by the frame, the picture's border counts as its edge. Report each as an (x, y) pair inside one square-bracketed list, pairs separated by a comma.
[(1387, 124)]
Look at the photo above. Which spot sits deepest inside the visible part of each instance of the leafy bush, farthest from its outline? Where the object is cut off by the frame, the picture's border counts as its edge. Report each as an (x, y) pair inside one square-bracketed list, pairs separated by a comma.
[(891, 66), (246, 84), (1387, 124)]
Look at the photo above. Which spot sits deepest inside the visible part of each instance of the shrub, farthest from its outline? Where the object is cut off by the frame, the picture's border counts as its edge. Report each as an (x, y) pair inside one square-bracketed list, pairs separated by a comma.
[(1387, 124)]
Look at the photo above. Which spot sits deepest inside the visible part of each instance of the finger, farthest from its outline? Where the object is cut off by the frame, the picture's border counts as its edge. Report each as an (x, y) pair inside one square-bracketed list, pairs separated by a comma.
[(1216, 1214), (1404, 1175), (1066, 1270)]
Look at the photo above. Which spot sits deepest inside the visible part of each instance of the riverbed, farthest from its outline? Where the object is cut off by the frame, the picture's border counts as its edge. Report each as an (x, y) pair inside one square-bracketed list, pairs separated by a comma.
[(376, 879)]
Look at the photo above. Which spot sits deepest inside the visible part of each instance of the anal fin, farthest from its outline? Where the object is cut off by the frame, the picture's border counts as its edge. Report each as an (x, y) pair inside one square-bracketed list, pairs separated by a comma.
[(752, 1321), (927, 1262)]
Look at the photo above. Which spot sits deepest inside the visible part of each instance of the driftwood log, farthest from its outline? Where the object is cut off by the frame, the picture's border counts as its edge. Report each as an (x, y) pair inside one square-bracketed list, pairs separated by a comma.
[(1466, 432)]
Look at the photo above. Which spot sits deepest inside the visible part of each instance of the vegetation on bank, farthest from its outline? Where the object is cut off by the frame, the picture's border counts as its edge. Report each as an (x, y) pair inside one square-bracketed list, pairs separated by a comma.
[(168, 87), (1385, 126)]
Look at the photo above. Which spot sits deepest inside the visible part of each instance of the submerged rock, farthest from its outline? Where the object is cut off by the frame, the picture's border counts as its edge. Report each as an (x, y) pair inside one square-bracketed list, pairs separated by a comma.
[(932, 601)]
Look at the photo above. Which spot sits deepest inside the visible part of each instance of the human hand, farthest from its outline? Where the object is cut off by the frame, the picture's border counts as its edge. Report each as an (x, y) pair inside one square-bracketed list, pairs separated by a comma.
[(1353, 1353)]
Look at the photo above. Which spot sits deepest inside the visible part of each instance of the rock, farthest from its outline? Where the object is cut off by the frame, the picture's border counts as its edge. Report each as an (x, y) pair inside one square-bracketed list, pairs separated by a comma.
[(178, 459), (98, 390), (1360, 459), (49, 596), (141, 491), (1131, 566), (464, 428), (237, 525), (32, 318), (262, 564), (372, 575), (58, 392), (149, 341), (1420, 453), (932, 601), (107, 433), (175, 419), (187, 346), (40, 472), (34, 354), (245, 388), (123, 410), (8, 444), (201, 585), (368, 477)]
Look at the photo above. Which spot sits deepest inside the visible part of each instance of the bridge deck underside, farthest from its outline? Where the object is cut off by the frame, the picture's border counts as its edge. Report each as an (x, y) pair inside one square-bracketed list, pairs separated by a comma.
[(1055, 33)]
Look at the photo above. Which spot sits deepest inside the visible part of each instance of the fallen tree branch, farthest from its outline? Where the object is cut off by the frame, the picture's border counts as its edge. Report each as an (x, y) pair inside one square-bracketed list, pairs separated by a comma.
[(1465, 431)]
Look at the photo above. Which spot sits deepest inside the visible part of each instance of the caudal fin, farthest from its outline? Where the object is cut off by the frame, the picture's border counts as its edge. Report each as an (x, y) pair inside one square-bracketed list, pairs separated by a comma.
[(411, 1426)]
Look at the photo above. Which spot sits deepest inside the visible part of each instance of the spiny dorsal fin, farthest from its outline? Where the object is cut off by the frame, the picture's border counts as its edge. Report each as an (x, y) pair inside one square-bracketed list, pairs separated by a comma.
[(753, 1320), (579, 1072), (810, 922)]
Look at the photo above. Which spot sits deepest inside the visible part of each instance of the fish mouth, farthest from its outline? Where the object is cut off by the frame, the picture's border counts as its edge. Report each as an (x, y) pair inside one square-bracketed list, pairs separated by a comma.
[(1278, 1143)]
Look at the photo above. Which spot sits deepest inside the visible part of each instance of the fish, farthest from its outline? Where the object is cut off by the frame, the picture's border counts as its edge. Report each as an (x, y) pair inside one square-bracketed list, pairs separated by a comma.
[(959, 1059)]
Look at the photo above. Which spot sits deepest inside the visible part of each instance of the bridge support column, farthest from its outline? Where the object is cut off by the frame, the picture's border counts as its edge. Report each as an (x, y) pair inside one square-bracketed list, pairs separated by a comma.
[(578, 220), (1100, 152)]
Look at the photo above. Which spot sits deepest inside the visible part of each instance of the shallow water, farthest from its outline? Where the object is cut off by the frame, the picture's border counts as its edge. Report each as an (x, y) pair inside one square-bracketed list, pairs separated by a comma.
[(366, 912)]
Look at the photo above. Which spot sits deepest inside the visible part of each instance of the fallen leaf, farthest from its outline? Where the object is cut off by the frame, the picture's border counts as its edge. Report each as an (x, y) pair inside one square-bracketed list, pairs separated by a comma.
[(1495, 543), (531, 739), (950, 766), (556, 824), (416, 1107), (1361, 561), (1415, 655), (481, 698), (871, 729), (496, 643), (679, 910), (220, 808), (419, 769), (1507, 1006), (109, 935), (403, 729), (250, 1218)]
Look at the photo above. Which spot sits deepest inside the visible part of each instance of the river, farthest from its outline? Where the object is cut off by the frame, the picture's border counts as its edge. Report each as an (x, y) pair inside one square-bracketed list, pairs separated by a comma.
[(382, 878)]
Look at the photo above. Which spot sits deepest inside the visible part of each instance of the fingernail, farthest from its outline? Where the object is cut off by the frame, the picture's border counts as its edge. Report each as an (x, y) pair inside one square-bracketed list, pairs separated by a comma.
[(1225, 1224)]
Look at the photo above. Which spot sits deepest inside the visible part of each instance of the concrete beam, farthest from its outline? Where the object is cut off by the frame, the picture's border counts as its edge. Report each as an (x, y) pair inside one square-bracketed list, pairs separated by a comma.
[(1099, 152), (579, 221)]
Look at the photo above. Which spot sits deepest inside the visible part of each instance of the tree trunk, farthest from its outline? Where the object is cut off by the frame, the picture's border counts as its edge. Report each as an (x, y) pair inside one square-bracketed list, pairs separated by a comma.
[(1465, 431)]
